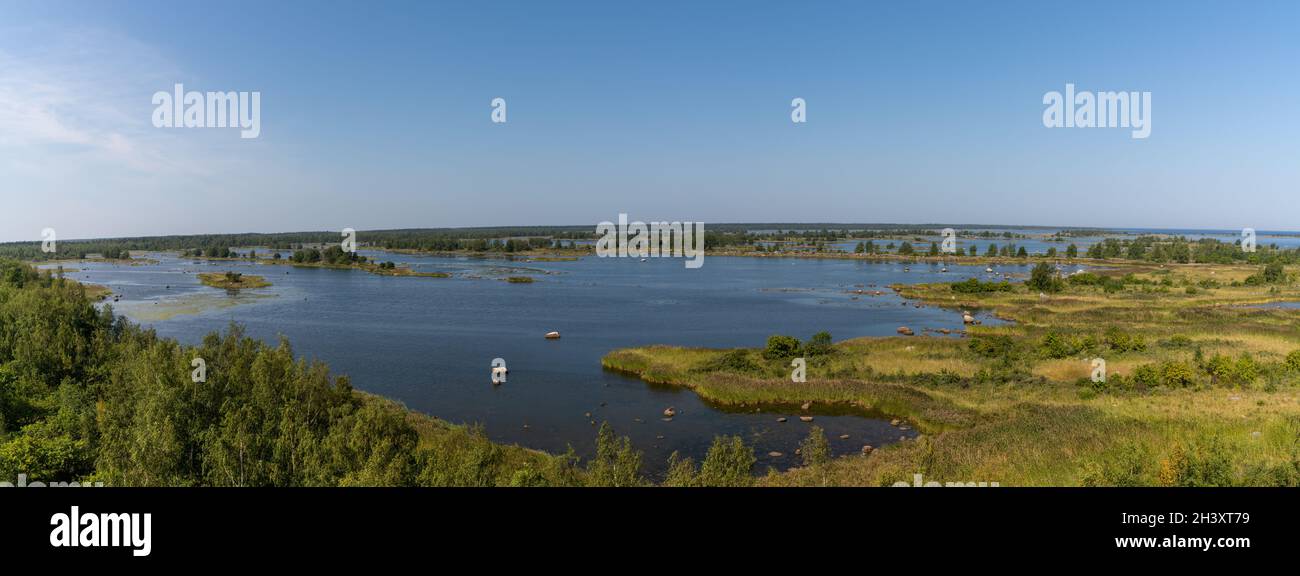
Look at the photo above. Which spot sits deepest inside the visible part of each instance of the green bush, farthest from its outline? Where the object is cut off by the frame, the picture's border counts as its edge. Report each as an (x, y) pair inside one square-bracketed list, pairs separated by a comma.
[(1177, 374), (815, 449), (728, 464), (1203, 463), (780, 346), (1044, 278), (616, 463), (974, 286), (1057, 345), (1121, 341), (736, 360), (819, 344), (1127, 466), (1293, 360)]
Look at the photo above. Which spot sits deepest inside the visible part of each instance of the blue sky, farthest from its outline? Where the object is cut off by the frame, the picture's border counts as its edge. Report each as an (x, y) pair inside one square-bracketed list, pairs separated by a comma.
[(377, 115)]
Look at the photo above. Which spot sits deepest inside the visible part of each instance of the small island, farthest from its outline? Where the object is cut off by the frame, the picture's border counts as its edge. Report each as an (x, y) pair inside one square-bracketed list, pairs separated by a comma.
[(233, 281)]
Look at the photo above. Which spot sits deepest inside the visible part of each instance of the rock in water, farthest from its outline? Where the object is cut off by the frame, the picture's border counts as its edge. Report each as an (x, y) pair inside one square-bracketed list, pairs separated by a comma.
[(904, 330), (552, 335), (669, 412)]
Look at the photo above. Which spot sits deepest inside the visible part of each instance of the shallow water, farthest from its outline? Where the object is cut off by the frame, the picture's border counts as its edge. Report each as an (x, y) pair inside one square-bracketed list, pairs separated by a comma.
[(430, 342)]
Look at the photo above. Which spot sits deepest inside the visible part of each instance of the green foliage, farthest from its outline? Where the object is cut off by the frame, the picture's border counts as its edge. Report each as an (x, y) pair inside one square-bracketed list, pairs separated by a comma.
[(992, 346), (1201, 463), (819, 344), (728, 463), (1121, 341), (779, 346), (1273, 273), (681, 472), (975, 286), (1044, 278), (815, 449), (737, 360), (1176, 374), (1293, 360), (1127, 466), (86, 394), (1057, 345), (616, 463)]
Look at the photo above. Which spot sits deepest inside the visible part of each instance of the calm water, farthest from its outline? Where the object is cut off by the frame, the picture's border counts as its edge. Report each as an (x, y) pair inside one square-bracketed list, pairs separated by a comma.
[(429, 342)]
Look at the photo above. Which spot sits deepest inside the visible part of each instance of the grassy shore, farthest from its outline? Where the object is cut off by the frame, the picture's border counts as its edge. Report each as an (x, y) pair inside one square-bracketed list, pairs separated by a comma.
[(232, 280), (1201, 387)]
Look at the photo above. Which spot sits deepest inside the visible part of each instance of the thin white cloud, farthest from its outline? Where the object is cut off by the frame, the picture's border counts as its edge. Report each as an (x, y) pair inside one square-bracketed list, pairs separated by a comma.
[(83, 98)]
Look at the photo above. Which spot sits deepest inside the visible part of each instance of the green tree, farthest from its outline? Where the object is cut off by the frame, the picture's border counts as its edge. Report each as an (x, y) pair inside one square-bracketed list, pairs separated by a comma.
[(1044, 278), (815, 449), (616, 463), (728, 464)]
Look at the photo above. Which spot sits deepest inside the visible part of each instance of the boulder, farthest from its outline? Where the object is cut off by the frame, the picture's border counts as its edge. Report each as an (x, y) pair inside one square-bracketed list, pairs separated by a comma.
[(904, 330)]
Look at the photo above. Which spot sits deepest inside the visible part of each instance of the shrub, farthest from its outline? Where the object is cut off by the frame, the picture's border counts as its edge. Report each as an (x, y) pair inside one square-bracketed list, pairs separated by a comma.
[(616, 463), (1146, 376), (816, 450), (681, 472), (996, 346), (1177, 374), (974, 286), (819, 344), (1293, 360), (728, 463), (737, 360), (1127, 466), (1056, 345), (1197, 464), (779, 346), (1044, 278), (1121, 341)]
